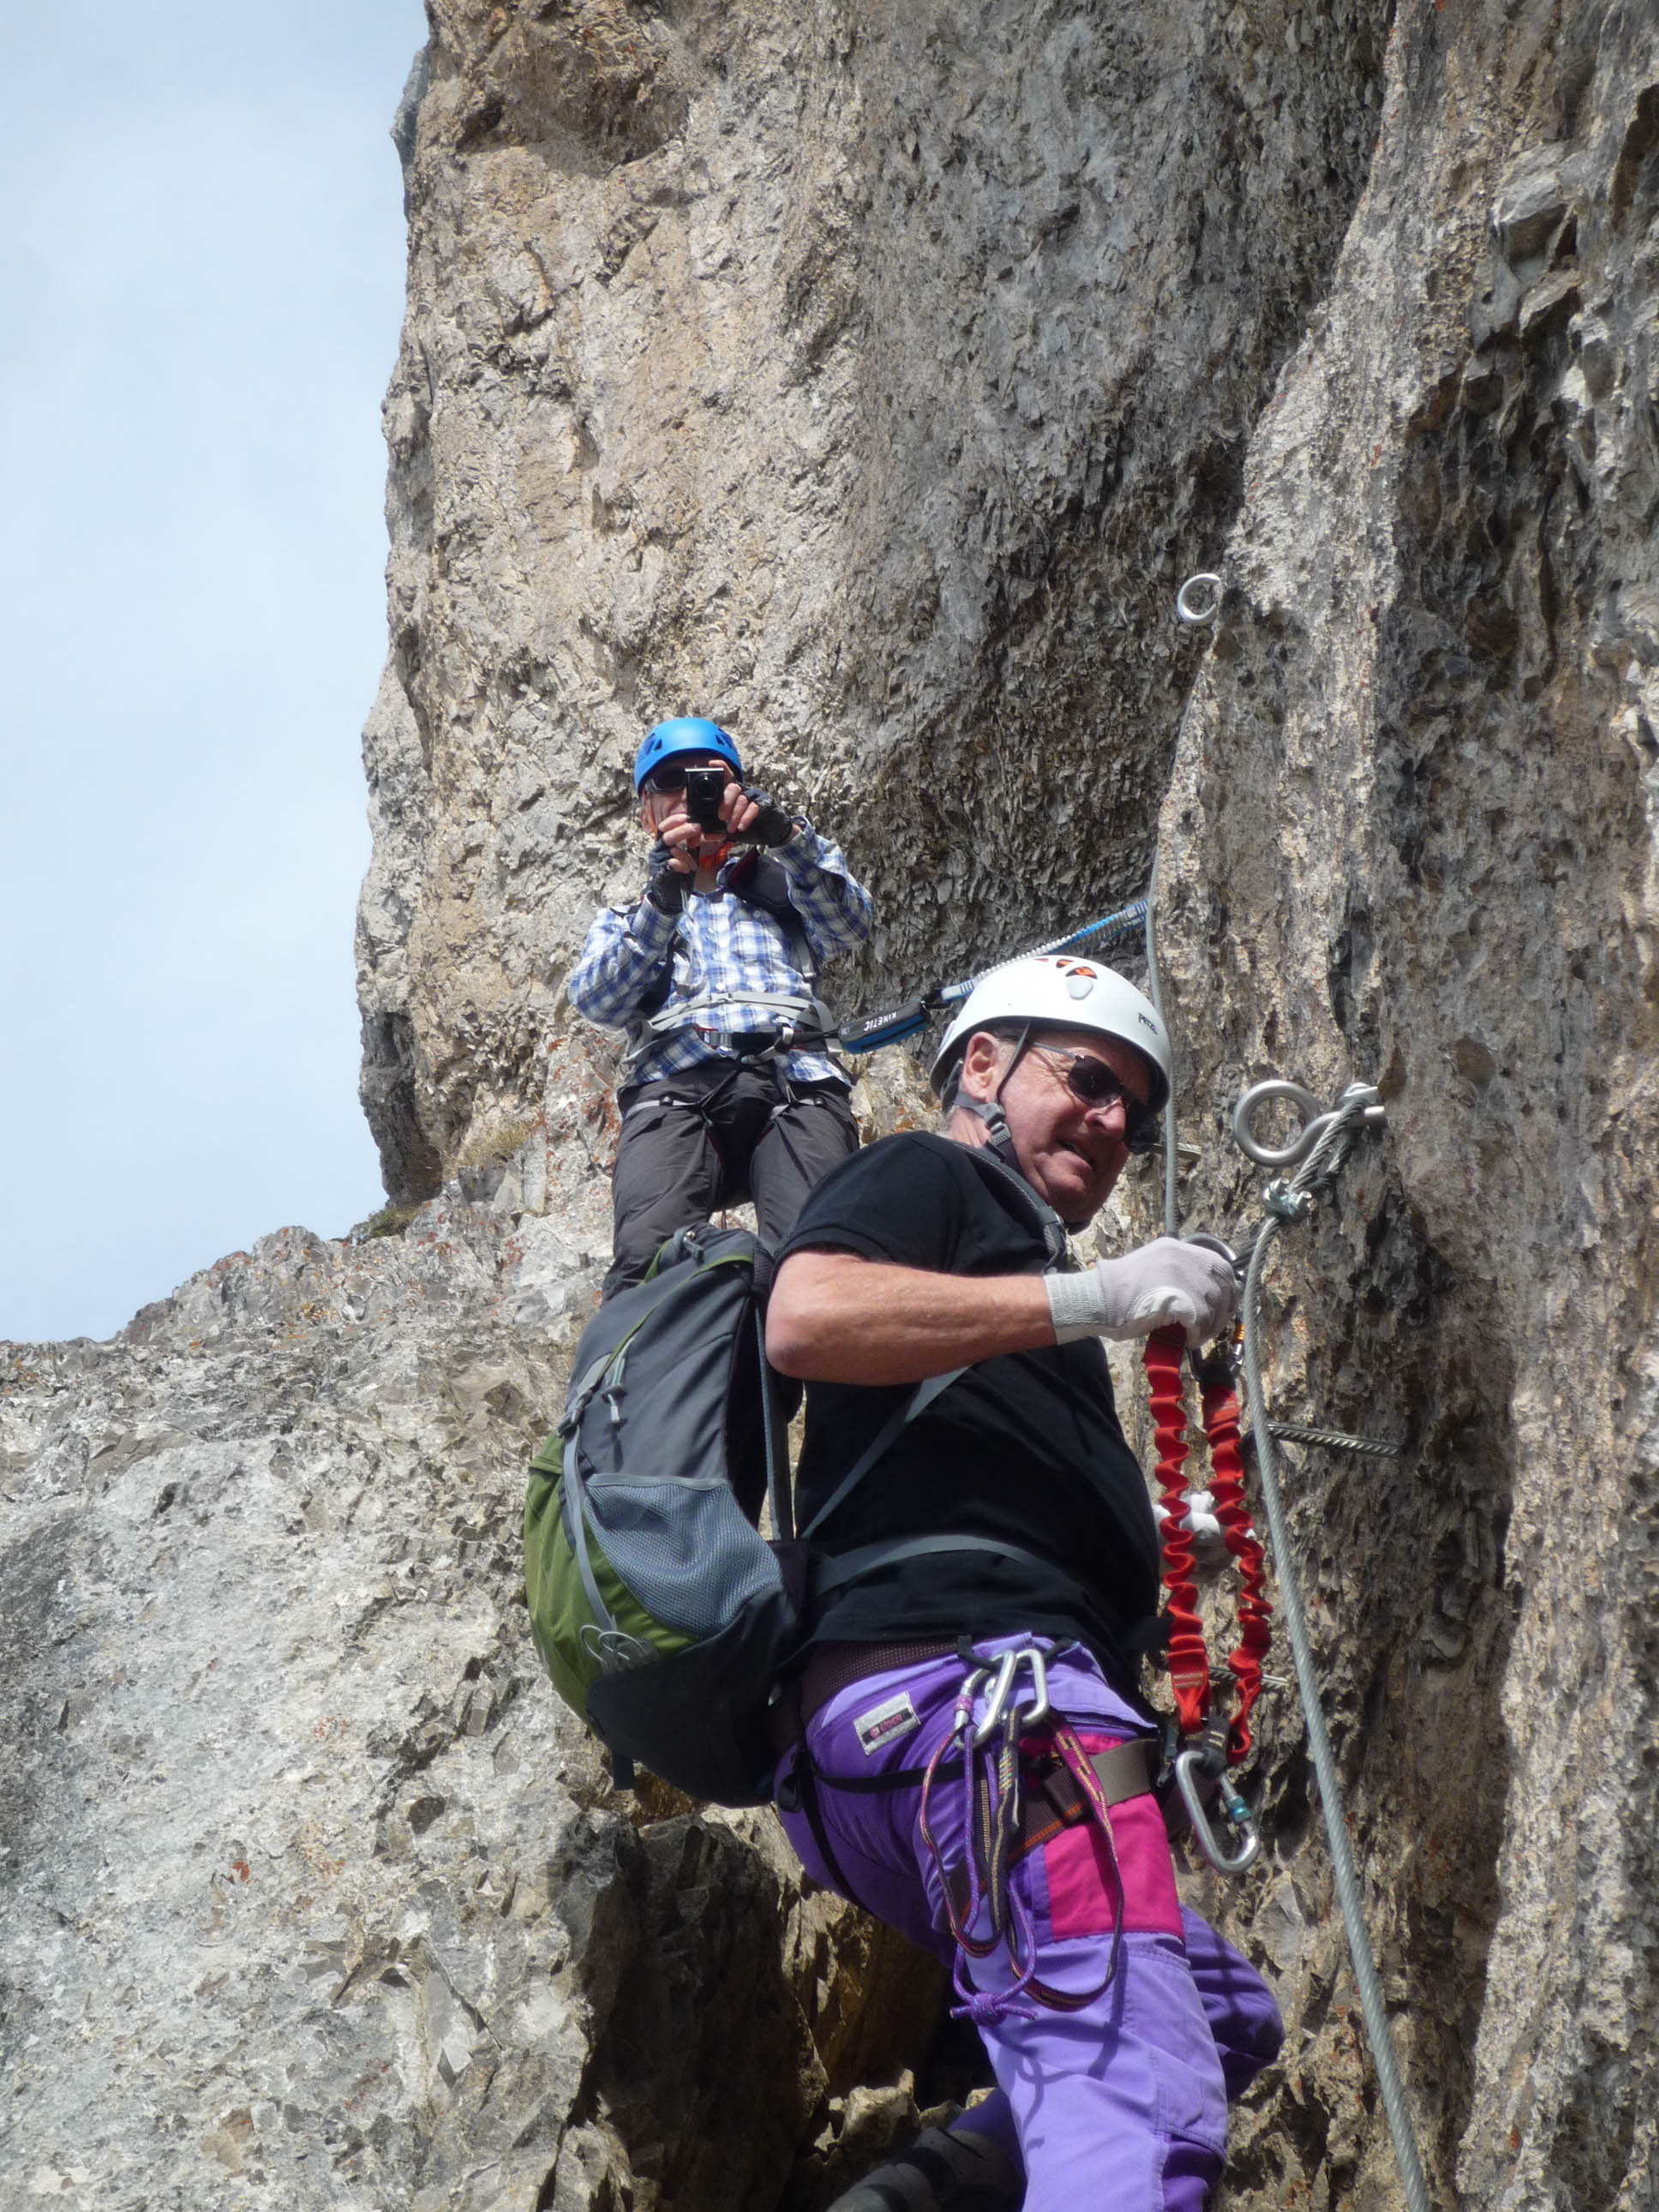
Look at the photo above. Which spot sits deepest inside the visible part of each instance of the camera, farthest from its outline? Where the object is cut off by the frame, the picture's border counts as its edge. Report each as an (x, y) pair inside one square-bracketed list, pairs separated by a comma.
[(705, 787)]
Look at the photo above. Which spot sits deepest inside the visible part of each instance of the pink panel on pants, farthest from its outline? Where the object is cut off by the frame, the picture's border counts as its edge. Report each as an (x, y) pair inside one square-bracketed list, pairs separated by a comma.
[(1082, 1894)]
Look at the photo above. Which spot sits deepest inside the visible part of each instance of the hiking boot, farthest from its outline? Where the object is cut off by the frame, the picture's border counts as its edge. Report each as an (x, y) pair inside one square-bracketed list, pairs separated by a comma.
[(939, 2173)]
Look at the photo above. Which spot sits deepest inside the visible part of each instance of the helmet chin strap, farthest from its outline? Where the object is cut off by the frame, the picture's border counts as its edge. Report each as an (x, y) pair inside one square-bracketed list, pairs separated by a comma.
[(997, 1135)]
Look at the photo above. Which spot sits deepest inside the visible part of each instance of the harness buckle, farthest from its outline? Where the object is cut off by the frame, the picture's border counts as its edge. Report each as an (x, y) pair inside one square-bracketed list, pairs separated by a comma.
[(1194, 1780)]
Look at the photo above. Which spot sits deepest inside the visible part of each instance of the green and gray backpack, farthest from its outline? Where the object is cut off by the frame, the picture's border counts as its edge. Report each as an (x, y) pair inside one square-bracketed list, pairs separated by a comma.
[(663, 1615), (659, 1609)]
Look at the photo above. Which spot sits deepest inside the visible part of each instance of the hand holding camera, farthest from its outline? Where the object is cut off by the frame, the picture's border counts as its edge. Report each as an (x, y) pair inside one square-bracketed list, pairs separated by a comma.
[(709, 810)]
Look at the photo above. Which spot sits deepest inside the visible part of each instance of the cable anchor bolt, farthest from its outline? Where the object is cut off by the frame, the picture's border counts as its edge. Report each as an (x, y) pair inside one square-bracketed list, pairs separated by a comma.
[(1198, 602), (1360, 1103), (1280, 1198)]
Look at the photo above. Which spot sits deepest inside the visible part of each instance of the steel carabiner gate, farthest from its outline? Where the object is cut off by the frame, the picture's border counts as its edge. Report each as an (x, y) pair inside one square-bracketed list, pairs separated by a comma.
[(1190, 1776)]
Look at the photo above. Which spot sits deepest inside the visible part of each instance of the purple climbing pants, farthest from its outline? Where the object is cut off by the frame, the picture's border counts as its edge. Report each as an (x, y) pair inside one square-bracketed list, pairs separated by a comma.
[(1122, 2103)]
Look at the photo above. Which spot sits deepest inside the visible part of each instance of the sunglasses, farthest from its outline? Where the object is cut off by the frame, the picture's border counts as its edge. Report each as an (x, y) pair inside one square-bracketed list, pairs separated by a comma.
[(668, 780), (1093, 1084)]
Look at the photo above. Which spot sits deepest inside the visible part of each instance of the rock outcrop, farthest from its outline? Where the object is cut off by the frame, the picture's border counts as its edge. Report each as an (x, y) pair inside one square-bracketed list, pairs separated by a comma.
[(1410, 836), (867, 379), (872, 379), (315, 1895)]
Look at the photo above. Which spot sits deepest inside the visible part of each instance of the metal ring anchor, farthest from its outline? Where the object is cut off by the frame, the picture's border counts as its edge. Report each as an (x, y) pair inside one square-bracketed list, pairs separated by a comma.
[(1361, 1097), (1311, 1126), (1197, 611)]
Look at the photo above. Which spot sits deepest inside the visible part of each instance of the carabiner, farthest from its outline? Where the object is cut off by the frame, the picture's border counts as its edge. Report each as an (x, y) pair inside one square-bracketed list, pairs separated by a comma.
[(1190, 1770), (1208, 1243), (997, 1703)]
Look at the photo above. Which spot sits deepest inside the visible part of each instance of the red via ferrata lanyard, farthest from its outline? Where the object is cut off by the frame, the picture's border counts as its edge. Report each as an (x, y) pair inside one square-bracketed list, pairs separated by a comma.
[(1189, 1665)]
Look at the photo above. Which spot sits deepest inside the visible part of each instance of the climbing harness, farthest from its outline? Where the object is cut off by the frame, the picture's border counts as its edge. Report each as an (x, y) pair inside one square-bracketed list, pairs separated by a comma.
[(806, 1024)]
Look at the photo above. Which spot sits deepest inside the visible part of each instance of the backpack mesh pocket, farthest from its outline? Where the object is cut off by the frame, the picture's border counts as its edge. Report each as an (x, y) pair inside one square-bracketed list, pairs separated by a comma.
[(682, 1548)]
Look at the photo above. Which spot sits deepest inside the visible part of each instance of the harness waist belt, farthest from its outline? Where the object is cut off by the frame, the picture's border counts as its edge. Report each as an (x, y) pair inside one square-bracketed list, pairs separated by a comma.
[(1052, 1800), (691, 1012), (833, 1667)]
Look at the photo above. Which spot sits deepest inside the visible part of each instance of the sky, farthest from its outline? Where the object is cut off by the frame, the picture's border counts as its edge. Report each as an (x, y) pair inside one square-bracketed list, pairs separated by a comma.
[(201, 268)]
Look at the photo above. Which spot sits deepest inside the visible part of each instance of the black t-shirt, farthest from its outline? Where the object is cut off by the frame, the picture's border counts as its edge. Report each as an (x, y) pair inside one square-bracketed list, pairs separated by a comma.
[(1024, 1449)]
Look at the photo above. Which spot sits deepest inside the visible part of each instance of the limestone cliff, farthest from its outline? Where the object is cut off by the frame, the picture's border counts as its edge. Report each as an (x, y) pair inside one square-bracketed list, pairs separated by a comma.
[(1410, 835), (866, 378), (314, 1895), (870, 379)]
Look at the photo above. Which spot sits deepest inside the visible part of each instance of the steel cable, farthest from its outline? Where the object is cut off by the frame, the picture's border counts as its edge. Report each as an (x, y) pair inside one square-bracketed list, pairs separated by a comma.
[(1155, 992), (1346, 1877)]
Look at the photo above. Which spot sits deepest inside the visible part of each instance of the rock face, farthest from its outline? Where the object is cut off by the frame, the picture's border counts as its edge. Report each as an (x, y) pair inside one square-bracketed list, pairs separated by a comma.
[(868, 379), (1410, 836), (315, 1895), (871, 379)]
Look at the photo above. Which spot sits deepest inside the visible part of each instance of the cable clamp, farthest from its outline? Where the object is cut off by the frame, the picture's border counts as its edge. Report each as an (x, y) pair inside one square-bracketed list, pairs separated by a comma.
[(1280, 1197)]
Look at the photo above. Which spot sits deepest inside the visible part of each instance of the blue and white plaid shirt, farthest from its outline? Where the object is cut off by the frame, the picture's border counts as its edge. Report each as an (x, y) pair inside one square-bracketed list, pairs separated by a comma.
[(723, 947)]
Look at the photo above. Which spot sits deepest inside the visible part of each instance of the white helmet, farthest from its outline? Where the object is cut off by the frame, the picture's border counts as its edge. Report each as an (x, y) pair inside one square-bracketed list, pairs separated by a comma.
[(1060, 991)]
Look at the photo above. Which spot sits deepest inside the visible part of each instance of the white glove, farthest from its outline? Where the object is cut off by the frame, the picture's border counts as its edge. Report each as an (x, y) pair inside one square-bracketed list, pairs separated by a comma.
[(1163, 1282)]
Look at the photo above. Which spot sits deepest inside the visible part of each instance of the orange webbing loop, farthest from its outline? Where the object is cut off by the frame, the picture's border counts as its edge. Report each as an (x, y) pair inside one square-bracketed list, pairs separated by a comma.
[(1189, 1664)]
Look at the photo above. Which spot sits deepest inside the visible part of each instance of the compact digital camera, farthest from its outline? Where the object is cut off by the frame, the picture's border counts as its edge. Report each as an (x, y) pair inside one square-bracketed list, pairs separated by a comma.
[(705, 787)]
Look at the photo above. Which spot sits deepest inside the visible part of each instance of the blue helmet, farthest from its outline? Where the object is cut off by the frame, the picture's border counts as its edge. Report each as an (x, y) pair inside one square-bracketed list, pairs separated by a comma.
[(686, 733)]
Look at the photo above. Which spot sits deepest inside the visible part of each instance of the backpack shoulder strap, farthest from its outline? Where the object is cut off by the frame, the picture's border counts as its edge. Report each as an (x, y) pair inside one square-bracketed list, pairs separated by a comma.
[(1037, 1210), (759, 880), (656, 993), (918, 1402)]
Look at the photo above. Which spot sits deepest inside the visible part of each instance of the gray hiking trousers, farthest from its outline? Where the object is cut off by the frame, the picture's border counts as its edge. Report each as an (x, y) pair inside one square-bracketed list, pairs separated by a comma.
[(710, 1137)]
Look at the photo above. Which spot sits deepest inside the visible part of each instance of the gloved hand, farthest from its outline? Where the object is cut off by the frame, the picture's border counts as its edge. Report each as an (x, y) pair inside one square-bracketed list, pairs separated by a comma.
[(665, 885), (771, 826), (1166, 1281)]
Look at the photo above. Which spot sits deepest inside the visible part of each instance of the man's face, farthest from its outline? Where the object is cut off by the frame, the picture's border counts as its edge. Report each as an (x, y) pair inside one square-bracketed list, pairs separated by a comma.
[(658, 808), (1069, 1151)]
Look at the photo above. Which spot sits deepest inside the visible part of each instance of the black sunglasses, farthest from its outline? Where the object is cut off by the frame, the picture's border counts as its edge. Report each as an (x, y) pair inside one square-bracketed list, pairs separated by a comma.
[(1093, 1084), (668, 780)]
